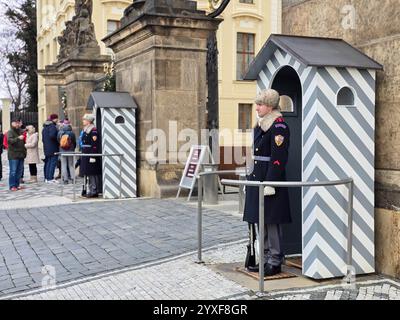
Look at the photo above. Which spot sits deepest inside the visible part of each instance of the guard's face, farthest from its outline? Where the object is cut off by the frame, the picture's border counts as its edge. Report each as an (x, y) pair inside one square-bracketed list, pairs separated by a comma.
[(263, 110), (85, 122)]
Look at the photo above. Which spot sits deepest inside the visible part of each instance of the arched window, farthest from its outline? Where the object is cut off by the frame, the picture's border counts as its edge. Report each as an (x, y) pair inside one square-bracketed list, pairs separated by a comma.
[(120, 120), (345, 97), (286, 104)]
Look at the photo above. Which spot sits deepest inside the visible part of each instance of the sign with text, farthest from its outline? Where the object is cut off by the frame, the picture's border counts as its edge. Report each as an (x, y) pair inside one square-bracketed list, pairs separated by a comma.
[(193, 165)]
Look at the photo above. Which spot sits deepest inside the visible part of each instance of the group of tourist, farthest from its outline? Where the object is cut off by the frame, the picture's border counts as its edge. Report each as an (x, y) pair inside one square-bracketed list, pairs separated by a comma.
[(58, 137)]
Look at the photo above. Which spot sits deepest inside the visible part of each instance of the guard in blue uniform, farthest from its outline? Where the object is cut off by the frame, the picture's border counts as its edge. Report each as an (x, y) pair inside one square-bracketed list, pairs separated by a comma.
[(270, 155), (91, 167)]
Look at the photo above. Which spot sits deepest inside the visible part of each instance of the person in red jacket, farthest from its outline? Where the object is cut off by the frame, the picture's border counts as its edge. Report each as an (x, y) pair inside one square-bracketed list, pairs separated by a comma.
[(1, 152)]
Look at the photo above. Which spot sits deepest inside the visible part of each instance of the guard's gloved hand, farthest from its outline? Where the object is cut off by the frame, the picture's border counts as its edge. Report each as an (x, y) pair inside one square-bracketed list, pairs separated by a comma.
[(269, 191)]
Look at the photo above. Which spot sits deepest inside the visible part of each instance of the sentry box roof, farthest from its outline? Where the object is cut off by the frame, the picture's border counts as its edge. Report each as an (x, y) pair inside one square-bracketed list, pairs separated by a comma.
[(311, 51), (111, 100)]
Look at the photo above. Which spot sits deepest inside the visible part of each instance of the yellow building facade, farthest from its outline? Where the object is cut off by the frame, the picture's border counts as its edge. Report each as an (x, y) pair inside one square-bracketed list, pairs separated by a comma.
[(51, 18), (246, 26)]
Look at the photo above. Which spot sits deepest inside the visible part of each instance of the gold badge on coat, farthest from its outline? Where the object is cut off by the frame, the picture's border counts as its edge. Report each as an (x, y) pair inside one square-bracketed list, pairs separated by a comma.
[(279, 140)]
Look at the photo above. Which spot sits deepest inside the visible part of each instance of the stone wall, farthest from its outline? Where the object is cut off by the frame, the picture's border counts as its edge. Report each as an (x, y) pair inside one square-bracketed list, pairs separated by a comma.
[(376, 32)]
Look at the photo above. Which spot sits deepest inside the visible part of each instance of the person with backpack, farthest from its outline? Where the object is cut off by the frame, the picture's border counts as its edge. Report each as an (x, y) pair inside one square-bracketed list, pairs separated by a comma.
[(67, 140)]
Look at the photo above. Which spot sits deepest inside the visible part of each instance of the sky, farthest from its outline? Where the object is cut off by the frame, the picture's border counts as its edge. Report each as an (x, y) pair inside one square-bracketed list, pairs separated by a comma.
[(5, 36)]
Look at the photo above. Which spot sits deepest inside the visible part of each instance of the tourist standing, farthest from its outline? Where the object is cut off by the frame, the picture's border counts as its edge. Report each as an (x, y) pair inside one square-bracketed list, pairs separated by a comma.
[(51, 147), (16, 155), (32, 152), (67, 141)]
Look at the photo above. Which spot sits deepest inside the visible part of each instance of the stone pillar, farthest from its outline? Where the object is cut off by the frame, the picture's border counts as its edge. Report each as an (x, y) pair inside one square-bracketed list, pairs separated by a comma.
[(81, 76), (6, 121), (161, 53), (53, 80)]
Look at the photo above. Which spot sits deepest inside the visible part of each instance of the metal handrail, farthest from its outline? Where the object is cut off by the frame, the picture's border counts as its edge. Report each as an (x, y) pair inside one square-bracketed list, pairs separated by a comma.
[(261, 186), (200, 205), (93, 155)]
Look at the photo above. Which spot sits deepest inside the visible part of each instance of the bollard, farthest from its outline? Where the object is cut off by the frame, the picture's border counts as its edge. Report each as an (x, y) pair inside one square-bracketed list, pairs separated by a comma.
[(210, 184)]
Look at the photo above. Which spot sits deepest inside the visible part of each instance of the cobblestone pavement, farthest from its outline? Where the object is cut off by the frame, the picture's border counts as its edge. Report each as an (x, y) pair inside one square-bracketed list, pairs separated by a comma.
[(180, 278), (38, 194), (87, 239), (381, 289)]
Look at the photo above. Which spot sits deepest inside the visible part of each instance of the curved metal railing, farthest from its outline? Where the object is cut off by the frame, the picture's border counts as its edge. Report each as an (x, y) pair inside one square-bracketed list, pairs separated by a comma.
[(76, 155), (261, 185)]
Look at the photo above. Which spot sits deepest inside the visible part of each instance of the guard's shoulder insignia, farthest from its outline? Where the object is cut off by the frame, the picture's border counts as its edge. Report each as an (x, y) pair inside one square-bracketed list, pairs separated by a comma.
[(281, 125), (95, 138), (279, 140)]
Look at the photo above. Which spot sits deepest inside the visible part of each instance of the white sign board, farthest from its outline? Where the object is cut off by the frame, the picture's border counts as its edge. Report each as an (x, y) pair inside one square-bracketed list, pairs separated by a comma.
[(193, 165)]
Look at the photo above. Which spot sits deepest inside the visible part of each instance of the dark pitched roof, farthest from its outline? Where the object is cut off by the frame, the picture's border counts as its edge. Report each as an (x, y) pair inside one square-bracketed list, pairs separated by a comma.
[(311, 51), (111, 100)]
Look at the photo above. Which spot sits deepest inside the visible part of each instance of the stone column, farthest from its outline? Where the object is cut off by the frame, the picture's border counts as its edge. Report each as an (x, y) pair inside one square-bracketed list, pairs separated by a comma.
[(53, 80), (80, 75), (6, 121), (161, 53)]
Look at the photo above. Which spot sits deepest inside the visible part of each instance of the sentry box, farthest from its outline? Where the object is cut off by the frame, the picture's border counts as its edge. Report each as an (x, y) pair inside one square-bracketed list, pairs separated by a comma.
[(328, 100), (116, 122)]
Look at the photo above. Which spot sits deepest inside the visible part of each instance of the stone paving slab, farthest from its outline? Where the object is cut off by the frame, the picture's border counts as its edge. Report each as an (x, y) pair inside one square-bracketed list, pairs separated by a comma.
[(180, 278), (86, 239)]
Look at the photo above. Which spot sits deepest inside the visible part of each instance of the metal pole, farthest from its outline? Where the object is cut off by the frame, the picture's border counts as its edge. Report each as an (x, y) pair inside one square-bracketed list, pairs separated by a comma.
[(350, 225), (261, 239), (62, 182), (241, 195), (120, 177), (200, 218), (73, 187)]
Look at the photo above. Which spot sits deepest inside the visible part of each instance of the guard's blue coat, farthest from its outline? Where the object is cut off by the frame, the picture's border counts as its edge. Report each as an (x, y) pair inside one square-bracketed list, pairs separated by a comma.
[(277, 209)]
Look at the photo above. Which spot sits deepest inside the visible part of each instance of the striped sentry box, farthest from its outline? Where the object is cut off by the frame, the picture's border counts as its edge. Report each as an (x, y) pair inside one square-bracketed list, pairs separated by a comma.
[(116, 121), (338, 142)]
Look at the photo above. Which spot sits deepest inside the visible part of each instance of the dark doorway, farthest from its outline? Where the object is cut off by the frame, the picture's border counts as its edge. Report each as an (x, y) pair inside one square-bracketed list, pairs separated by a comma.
[(288, 84), (99, 129)]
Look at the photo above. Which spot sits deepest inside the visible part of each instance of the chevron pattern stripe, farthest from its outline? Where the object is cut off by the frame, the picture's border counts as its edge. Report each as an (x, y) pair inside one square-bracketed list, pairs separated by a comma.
[(115, 138), (338, 142)]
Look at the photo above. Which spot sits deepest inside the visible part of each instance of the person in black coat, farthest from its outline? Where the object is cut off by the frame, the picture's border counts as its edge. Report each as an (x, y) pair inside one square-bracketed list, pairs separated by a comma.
[(91, 167), (270, 155), (50, 147)]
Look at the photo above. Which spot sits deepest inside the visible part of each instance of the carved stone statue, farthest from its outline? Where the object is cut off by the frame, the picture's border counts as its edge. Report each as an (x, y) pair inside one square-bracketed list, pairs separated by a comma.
[(79, 37)]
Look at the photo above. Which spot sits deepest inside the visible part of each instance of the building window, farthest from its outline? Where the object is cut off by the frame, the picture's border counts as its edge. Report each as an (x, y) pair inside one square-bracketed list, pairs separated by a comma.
[(113, 25), (286, 104), (245, 53), (120, 120), (345, 97), (245, 116), (246, 1)]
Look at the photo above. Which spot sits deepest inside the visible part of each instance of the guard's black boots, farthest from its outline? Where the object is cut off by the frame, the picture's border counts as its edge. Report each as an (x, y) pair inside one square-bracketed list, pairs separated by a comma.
[(270, 271)]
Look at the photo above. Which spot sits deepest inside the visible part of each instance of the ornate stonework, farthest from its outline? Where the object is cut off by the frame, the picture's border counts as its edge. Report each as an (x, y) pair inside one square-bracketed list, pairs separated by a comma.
[(79, 39)]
